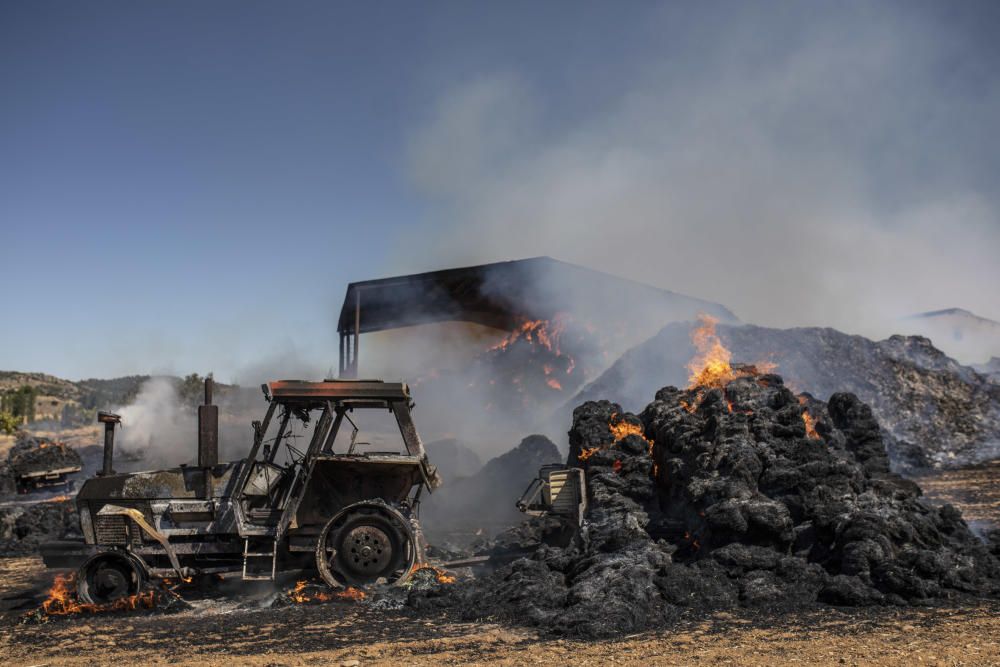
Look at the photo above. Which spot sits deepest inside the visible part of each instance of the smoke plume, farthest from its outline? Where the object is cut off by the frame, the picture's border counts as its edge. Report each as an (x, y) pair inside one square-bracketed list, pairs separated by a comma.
[(814, 166)]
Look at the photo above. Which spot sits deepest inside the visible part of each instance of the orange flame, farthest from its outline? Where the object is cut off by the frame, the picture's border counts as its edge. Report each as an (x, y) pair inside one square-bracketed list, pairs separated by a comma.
[(301, 595), (443, 576), (810, 423), (62, 600), (619, 429), (623, 428), (546, 333), (710, 367), (554, 383)]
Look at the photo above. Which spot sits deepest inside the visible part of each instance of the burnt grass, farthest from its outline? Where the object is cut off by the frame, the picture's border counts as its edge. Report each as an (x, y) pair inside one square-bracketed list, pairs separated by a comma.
[(733, 507), (354, 627)]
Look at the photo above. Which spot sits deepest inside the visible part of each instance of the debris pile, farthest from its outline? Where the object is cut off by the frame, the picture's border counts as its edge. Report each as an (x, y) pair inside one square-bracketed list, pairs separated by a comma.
[(35, 463), (734, 493)]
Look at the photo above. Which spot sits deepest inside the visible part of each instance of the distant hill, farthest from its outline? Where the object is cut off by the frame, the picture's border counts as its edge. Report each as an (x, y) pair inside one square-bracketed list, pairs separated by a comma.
[(62, 400), (961, 334)]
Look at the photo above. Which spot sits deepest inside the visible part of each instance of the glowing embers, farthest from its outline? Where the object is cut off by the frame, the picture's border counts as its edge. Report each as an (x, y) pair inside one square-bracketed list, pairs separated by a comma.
[(692, 541), (546, 333), (308, 592), (540, 347), (441, 575)]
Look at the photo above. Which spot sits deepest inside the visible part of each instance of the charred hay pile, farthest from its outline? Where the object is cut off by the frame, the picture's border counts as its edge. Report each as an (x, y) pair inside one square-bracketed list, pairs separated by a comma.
[(742, 495), (33, 455), (934, 411)]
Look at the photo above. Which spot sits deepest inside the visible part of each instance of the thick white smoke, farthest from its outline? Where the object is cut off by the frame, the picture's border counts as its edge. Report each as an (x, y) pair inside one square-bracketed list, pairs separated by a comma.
[(800, 169), (157, 427)]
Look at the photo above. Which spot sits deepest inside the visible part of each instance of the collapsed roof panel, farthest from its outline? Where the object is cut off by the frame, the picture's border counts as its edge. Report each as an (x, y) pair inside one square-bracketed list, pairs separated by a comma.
[(503, 294)]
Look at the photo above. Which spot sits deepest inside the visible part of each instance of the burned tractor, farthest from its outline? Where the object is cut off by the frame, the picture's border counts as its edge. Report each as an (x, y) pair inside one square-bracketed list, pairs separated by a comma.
[(352, 516)]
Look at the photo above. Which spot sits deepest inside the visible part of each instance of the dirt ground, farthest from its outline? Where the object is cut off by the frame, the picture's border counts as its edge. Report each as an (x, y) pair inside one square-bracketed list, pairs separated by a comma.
[(344, 633), (975, 491), (350, 633)]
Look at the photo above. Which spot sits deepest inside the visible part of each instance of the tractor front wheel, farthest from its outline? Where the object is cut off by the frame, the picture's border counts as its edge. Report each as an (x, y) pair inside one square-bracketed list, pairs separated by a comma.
[(108, 576)]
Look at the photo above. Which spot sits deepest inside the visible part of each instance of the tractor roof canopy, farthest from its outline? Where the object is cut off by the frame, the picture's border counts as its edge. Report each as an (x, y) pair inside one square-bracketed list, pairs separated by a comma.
[(345, 393)]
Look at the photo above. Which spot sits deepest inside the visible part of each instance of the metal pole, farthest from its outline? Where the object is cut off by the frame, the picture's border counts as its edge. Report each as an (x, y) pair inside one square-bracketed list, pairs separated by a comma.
[(340, 366), (357, 328), (109, 420), (109, 449)]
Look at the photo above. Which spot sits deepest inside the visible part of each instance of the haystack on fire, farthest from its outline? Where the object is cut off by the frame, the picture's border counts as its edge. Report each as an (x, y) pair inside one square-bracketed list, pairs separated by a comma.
[(733, 491)]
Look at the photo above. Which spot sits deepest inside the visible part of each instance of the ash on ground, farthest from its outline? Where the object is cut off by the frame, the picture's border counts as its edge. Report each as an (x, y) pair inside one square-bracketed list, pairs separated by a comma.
[(741, 496)]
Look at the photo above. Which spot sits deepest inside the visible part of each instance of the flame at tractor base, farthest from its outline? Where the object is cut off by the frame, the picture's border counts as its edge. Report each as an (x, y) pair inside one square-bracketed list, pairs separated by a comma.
[(308, 592), (63, 601)]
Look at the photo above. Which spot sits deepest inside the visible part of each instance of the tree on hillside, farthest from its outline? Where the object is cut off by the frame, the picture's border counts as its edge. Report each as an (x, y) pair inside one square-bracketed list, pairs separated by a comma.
[(20, 403), (192, 389), (9, 423)]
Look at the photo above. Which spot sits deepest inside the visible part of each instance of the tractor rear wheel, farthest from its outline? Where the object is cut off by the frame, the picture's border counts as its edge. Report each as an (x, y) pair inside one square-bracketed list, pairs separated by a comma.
[(364, 543)]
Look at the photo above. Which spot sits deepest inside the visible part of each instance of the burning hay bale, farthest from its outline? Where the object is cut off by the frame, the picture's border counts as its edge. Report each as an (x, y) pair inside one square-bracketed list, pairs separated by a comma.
[(933, 411), (734, 493)]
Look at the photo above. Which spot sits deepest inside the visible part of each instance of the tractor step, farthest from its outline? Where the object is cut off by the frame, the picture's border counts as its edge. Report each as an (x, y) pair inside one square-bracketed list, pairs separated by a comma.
[(259, 565)]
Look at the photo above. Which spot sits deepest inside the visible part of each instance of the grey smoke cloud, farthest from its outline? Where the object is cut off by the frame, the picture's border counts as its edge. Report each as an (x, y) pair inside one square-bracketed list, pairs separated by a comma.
[(805, 167)]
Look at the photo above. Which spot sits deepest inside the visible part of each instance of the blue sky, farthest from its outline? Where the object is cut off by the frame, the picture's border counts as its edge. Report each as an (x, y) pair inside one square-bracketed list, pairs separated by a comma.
[(189, 186)]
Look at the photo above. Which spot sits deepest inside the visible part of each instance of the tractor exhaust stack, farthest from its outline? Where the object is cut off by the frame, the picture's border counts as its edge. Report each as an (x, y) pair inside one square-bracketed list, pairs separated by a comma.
[(109, 420)]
